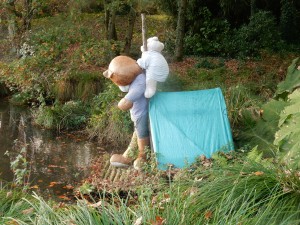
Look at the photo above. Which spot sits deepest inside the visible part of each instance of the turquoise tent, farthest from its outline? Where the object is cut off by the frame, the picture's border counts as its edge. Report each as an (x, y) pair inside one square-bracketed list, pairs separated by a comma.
[(185, 125)]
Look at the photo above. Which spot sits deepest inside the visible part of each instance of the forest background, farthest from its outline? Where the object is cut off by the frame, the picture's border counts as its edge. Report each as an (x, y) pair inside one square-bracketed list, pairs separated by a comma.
[(52, 55)]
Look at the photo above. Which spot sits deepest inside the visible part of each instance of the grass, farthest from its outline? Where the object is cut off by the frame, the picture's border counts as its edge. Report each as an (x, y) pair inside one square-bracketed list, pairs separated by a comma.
[(235, 193)]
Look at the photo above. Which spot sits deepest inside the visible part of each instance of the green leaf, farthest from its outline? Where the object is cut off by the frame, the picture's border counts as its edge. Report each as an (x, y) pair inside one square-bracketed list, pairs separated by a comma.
[(291, 82), (287, 138), (293, 108), (255, 155), (263, 133)]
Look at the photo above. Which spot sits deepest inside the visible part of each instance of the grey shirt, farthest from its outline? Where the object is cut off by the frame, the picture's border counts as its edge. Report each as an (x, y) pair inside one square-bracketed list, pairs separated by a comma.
[(136, 96)]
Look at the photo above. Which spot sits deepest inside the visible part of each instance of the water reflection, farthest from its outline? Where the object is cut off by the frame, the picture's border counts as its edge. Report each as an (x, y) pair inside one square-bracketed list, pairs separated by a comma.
[(55, 161)]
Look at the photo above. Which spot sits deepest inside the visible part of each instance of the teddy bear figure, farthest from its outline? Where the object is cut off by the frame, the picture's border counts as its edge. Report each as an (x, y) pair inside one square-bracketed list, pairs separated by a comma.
[(125, 73), (155, 64)]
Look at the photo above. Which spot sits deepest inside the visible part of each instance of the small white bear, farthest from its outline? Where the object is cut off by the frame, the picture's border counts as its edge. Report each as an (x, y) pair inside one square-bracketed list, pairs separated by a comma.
[(155, 64)]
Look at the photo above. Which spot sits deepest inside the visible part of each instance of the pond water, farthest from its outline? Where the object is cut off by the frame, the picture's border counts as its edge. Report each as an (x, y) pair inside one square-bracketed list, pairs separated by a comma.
[(57, 162)]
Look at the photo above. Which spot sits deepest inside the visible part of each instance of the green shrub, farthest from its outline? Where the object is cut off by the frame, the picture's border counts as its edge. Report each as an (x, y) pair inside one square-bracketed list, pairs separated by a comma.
[(67, 116), (22, 98), (260, 33), (208, 37)]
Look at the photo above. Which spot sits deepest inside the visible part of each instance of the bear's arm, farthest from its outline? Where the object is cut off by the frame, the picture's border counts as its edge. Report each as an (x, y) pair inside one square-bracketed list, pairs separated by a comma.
[(125, 104), (143, 62)]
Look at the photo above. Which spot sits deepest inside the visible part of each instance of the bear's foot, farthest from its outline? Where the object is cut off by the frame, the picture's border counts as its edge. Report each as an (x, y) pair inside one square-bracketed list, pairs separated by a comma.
[(118, 160), (140, 162)]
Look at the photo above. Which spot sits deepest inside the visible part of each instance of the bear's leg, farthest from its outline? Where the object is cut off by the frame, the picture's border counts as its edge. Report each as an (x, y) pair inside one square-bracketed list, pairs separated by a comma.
[(128, 156), (143, 144), (150, 87)]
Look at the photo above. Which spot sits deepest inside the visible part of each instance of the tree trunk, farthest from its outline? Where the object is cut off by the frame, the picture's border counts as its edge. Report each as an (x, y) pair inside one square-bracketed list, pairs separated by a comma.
[(289, 21), (253, 7), (131, 22), (112, 33), (180, 31), (12, 24), (107, 16), (27, 15)]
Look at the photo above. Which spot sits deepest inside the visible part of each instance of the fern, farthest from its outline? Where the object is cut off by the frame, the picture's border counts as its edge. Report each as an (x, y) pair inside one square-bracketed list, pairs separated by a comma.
[(287, 138), (255, 155)]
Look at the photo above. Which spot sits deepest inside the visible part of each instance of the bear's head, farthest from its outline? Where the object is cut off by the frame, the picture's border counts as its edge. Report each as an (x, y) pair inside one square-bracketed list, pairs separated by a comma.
[(122, 70), (153, 44)]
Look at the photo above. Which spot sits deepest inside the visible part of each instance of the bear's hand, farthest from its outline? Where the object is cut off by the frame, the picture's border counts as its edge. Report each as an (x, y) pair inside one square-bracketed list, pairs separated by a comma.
[(125, 104)]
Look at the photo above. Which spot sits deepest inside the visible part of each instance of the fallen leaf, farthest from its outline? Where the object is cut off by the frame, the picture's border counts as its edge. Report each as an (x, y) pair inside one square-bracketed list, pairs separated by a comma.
[(9, 194), (34, 187), (258, 173), (228, 156), (154, 200), (97, 204), (69, 187), (166, 195), (40, 181), (27, 211), (158, 221), (193, 191), (13, 222), (59, 205), (52, 184), (138, 221), (55, 166), (52, 166), (71, 222), (198, 179), (208, 215), (64, 197)]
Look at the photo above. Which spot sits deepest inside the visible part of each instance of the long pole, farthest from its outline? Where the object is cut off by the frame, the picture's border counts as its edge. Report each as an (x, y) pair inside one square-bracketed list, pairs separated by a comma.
[(144, 31)]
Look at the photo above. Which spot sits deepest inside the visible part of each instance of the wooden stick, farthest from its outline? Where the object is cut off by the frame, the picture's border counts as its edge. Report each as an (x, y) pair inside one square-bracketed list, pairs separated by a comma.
[(144, 31)]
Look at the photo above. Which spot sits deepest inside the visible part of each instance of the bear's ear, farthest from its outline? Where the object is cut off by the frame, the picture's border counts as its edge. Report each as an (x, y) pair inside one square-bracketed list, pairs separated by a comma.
[(107, 73)]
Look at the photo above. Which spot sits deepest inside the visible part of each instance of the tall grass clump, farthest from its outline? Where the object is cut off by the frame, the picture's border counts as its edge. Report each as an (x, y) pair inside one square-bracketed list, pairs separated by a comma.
[(242, 105), (108, 123), (13, 207), (78, 86), (248, 193)]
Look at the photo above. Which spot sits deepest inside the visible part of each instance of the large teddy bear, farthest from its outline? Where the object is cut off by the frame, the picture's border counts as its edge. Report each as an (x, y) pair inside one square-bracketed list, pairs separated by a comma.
[(156, 66), (126, 73)]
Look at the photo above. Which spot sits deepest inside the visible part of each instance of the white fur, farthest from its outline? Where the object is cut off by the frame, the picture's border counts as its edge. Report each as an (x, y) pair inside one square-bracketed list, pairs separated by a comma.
[(156, 66)]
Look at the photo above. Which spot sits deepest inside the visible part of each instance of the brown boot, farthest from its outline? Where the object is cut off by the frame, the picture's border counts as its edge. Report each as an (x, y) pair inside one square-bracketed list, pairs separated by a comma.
[(141, 159), (128, 156)]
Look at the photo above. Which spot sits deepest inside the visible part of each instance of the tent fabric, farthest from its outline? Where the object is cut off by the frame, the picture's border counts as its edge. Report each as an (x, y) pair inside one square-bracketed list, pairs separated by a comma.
[(185, 125)]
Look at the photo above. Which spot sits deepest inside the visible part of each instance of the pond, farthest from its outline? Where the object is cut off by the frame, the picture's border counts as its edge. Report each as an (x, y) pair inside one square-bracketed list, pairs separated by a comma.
[(57, 163)]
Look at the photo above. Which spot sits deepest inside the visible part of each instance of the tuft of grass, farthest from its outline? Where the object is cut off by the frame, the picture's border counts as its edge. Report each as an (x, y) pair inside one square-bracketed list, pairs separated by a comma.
[(68, 116)]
